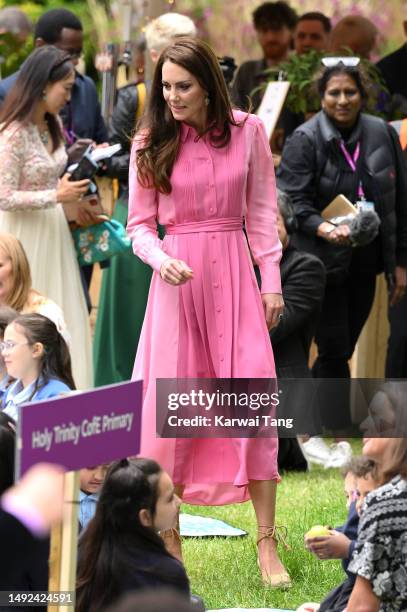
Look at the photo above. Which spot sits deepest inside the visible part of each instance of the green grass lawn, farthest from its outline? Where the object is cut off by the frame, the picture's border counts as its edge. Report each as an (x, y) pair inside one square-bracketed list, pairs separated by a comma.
[(224, 571)]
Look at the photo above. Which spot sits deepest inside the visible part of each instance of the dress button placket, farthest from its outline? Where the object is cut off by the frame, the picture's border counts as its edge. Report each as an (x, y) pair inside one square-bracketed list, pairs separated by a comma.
[(218, 302)]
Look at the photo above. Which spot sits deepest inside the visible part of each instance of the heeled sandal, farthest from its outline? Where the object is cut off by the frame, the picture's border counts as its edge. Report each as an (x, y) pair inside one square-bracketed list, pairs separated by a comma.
[(173, 542), (278, 533)]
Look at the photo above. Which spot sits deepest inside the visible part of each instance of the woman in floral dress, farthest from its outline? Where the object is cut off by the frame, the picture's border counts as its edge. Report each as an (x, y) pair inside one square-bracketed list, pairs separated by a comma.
[(32, 158)]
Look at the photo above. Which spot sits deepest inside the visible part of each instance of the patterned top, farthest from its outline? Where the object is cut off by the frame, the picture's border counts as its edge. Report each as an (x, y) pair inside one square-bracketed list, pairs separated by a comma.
[(29, 173), (380, 554)]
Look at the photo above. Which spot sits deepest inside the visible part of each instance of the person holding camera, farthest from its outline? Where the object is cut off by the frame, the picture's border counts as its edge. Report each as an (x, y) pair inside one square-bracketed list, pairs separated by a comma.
[(32, 194)]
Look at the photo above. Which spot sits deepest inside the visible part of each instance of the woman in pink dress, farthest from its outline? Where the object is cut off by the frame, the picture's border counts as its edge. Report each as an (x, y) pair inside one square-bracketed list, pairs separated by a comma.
[(201, 169)]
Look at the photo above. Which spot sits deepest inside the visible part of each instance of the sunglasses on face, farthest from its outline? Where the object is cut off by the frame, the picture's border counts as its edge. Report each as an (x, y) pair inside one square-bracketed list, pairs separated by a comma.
[(329, 62)]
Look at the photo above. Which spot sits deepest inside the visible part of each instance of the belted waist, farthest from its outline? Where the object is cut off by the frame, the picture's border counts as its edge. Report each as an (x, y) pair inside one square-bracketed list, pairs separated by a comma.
[(222, 224)]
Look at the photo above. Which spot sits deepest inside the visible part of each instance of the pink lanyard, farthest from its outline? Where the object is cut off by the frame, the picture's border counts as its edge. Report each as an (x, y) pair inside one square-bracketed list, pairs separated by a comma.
[(352, 161)]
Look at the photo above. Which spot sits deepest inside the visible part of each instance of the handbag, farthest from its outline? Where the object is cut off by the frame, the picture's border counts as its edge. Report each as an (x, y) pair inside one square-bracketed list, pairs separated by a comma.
[(101, 241)]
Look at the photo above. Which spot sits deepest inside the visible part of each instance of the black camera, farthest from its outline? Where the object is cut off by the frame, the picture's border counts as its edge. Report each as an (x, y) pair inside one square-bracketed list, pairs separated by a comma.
[(228, 67), (89, 164)]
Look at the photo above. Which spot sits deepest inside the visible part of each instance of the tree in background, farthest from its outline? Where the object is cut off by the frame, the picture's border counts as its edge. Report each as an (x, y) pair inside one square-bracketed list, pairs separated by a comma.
[(14, 53)]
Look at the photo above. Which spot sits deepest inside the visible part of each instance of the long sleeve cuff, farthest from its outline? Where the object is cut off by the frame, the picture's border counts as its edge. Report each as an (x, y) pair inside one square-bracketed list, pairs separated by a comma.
[(270, 278), (156, 258), (309, 225)]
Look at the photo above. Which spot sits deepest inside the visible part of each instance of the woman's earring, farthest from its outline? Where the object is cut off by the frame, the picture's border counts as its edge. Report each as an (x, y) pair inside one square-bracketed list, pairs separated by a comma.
[(207, 101), (44, 95)]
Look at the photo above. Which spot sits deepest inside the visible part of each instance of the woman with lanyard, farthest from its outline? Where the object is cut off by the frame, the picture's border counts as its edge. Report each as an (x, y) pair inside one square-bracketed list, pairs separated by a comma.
[(341, 150)]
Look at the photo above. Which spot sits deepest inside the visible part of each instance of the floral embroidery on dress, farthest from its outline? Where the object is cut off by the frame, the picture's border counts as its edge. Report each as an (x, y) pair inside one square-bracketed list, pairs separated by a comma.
[(29, 172)]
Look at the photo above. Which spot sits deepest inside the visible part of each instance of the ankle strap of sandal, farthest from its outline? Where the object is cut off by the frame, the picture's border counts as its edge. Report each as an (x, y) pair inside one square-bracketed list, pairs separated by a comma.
[(278, 533)]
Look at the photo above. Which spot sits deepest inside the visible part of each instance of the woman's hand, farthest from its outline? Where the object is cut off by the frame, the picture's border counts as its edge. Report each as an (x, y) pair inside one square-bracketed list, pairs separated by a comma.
[(70, 191), (338, 235), (175, 272), (400, 285), (86, 217), (273, 308)]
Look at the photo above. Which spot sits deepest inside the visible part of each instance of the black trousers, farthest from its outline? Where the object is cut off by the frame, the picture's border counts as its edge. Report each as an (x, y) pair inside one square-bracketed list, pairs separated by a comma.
[(396, 360), (345, 309)]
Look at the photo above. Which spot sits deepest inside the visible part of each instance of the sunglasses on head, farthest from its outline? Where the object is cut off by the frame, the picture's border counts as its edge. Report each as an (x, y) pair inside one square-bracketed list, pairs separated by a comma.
[(328, 62)]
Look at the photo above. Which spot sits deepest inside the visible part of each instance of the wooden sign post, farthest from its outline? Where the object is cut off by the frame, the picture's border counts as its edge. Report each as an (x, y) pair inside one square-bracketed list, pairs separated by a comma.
[(76, 431)]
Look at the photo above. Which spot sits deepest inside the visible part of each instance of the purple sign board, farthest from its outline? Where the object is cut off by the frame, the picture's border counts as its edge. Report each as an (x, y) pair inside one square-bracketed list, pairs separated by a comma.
[(82, 429)]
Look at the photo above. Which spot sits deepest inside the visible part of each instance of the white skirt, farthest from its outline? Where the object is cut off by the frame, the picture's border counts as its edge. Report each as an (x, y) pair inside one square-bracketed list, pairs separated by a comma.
[(47, 240)]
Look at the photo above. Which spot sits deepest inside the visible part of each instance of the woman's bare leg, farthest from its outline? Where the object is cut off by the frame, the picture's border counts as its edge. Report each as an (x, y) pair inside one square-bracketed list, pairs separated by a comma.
[(263, 496)]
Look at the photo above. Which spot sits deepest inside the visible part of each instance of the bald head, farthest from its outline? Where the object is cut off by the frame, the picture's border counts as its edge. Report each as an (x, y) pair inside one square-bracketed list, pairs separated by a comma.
[(356, 33)]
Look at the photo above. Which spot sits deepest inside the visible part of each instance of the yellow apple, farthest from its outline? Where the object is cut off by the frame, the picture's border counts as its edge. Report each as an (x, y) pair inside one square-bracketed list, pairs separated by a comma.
[(318, 531)]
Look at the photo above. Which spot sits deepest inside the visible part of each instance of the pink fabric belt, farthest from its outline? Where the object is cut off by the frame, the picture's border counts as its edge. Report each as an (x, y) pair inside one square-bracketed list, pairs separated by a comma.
[(225, 224)]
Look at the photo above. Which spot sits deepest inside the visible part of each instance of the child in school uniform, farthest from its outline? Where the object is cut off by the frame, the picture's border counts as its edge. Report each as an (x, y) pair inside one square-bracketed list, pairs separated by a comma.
[(121, 549), (359, 479), (90, 483), (37, 357), (7, 315)]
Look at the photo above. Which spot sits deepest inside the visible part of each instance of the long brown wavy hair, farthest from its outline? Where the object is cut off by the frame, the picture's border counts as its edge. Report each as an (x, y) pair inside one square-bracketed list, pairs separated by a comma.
[(45, 66), (160, 132)]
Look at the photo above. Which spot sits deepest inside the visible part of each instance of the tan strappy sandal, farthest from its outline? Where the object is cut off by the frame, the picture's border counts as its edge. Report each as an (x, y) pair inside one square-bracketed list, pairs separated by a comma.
[(278, 533)]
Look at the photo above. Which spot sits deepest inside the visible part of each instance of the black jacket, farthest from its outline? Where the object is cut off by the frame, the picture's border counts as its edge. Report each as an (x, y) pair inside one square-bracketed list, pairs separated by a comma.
[(23, 559), (121, 130), (303, 284), (313, 172), (393, 69), (139, 569)]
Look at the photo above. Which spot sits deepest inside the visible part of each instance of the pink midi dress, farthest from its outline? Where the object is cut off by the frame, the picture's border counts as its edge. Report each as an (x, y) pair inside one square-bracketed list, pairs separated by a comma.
[(214, 325)]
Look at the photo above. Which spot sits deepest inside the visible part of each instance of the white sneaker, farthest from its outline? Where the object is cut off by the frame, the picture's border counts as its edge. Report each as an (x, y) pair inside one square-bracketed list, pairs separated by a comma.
[(316, 451), (341, 454)]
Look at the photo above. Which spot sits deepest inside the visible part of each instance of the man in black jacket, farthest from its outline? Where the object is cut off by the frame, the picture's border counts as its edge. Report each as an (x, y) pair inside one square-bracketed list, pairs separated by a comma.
[(303, 285), (274, 23), (393, 69)]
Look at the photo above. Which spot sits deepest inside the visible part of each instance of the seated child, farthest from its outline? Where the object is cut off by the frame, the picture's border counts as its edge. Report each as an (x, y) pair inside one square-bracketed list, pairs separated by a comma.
[(340, 543), (121, 549), (90, 482), (37, 357), (379, 560), (7, 315)]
